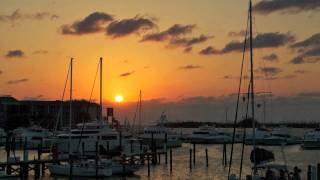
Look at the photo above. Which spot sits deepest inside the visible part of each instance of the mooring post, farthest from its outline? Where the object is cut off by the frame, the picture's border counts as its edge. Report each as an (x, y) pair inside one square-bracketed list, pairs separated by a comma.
[(37, 171), (83, 149), (159, 158), (96, 159), (120, 141), (318, 171), (165, 147), (309, 173), (25, 149), (170, 160), (207, 161), (131, 146), (8, 169), (194, 153), (71, 167), (108, 146), (190, 161), (148, 161), (123, 164), (224, 155)]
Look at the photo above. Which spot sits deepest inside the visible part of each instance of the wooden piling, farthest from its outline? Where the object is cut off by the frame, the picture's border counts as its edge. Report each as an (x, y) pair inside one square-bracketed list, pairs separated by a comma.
[(96, 159), (71, 167), (166, 146), (190, 161), (224, 155), (120, 141), (207, 161), (131, 146), (170, 160), (159, 158), (148, 161), (194, 153), (123, 164), (83, 149), (318, 171), (309, 173), (37, 171)]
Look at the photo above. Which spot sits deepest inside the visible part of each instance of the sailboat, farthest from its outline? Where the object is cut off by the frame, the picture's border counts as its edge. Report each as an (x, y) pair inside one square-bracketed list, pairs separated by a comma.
[(260, 158), (81, 167)]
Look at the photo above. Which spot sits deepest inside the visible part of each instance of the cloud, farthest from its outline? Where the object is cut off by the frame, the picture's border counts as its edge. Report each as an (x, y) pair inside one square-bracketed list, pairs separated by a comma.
[(209, 51), (173, 32), (93, 23), (299, 71), (40, 52), (308, 57), (270, 71), (128, 26), (17, 15), (126, 74), (187, 42), (15, 53), (241, 33), (189, 67), (271, 57), (187, 50), (34, 98), (264, 40), (309, 94), (311, 42), (287, 6), (18, 81)]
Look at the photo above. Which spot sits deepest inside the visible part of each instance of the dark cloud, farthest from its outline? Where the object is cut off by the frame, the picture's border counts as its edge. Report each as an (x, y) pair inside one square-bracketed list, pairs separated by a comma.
[(209, 51), (17, 15), (287, 6), (310, 42), (271, 57), (128, 26), (241, 33), (40, 52), (299, 71), (187, 49), (265, 40), (172, 32), (34, 98), (309, 94), (308, 57), (15, 53), (95, 22), (126, 74), (270, 71), (187, 42), (189, 67), (18, 81)]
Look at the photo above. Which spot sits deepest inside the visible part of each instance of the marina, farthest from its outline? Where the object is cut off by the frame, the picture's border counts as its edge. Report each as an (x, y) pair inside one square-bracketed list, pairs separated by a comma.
[(99, 90)]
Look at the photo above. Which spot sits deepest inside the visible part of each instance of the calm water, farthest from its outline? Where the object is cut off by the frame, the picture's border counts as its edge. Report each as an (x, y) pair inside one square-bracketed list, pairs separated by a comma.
[(294, 155)]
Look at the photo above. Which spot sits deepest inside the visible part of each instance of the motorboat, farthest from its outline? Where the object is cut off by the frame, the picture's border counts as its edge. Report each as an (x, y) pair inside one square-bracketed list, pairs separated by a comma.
[(259, 136), (31, 137), (83, 168), (311, 139), (162, 136), (281, 136)]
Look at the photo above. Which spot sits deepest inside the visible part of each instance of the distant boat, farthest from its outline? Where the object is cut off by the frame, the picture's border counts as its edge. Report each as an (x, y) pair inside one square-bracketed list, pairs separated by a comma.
[(159, 133), (259, 136), (209, 135), (311, 139), (281, 136), (83, 168), (34, 136)]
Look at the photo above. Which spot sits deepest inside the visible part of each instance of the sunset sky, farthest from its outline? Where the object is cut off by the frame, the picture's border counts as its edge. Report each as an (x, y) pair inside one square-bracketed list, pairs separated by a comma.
[(170, 50)]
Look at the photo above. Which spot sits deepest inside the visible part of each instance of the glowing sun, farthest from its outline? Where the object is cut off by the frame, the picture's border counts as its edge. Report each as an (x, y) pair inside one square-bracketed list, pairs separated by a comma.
[(118, 98)]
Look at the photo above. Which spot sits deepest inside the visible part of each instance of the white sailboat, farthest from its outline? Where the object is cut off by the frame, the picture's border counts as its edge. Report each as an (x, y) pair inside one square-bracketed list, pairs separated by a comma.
[(281, 136), (82, 167)]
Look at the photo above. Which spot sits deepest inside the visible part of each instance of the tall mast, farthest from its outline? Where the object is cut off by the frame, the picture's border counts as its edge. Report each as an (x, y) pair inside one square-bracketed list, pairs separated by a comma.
[(70, 106), (140, 94), (252, 89), (100, 89)]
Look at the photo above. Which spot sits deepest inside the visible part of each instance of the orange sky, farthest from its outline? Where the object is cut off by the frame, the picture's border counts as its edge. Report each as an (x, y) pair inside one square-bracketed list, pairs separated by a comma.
[(154, 67)]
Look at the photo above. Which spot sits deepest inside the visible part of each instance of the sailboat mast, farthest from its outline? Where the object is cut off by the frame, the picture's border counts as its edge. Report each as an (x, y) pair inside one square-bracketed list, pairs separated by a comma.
[(70, 106), (252, 87), (100, 89), (140, 108)]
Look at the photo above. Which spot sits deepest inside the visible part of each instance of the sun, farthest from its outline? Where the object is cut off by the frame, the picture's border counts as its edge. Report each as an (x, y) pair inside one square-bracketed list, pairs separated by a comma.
[(118, 98)]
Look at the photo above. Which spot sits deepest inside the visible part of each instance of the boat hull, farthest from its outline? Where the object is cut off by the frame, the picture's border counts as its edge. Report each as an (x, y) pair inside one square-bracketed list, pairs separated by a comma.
[(64, 170)]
